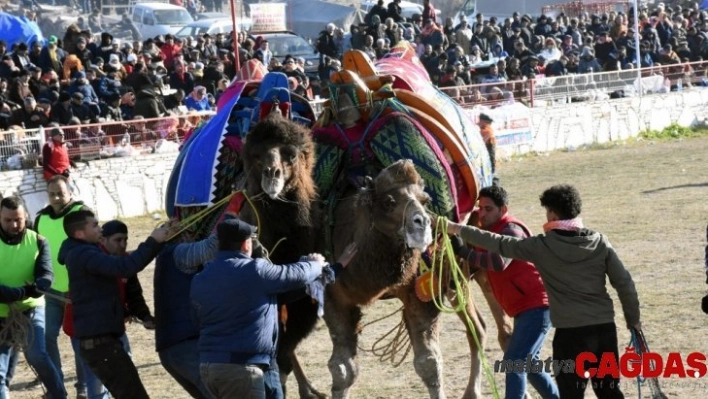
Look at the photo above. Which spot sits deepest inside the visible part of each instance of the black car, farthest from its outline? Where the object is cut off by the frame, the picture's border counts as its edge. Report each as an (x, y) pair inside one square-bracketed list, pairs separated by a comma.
[(284, 42)]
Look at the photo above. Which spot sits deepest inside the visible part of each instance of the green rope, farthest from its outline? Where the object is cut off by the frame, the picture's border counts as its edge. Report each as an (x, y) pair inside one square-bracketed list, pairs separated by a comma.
[(459, 280)]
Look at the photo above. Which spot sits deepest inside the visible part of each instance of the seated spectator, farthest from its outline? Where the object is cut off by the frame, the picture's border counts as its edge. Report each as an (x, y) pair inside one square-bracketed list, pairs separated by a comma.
[(197, 100), (31, 116), (498, 52), (531, 68), (81, 85), (148, 103), (550, 52), (174, 101), (557, 68), (491, 77), (80, 109), (588, 62)]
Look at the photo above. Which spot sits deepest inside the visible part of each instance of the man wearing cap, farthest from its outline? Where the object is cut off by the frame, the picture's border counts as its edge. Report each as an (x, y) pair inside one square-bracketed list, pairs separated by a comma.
[(82, 52), (28, 254), (49, 223), (235, 304), (51, 56)]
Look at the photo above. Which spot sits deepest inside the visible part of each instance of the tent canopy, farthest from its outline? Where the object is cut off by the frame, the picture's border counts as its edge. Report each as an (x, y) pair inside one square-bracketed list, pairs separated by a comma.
[(18, 29)]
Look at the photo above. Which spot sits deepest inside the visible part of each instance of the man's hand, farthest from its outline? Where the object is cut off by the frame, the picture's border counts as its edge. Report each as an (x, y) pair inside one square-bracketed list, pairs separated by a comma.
[(31, 291), (346, 257), (159, 234), (457, 244), (637, 326), (453, 228), (66, 173), (315, 258)]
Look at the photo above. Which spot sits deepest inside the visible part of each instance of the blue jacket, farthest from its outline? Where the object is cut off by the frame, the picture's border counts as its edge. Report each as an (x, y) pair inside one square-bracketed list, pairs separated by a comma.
[(235, 303), (174, 269), (201, 105), (93, 283)]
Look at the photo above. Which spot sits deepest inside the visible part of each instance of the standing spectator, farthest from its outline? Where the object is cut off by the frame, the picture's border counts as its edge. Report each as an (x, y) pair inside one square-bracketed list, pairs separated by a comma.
[(394, 11), (98, 311), (378, 10), (574, 263), (327, 47), (50, 57), (49, 223), (508, 277), (31, 272), (170, 50), (55, 157), (490, 140), (429, 11)]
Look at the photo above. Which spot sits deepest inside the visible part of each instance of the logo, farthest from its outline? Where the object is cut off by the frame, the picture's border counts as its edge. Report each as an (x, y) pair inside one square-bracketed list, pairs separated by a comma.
[(646, 365)]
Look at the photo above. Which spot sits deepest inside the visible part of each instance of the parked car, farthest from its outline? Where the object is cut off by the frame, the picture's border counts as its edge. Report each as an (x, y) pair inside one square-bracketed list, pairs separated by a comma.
[(213, 26), (154, 19), (283, 43)]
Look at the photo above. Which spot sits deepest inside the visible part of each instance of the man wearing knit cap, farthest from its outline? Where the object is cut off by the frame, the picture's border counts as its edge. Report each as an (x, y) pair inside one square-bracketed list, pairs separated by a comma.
[(235, 303)]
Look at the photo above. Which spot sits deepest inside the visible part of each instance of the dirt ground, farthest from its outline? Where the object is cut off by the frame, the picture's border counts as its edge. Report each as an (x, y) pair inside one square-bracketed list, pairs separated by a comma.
[(649, 198)]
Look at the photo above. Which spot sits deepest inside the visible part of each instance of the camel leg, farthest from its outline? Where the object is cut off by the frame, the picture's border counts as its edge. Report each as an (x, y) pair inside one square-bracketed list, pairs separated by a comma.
[(474, 385), (342, 320), (422, 321), (302, 317), (504, 322)]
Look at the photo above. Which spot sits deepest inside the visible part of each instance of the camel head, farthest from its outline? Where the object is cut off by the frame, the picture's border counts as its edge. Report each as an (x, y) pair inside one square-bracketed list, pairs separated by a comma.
[(278, 155), (396, 201)]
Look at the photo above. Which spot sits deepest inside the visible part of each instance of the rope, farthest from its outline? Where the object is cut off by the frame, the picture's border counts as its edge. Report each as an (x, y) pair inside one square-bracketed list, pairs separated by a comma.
[(16, 330), (188, 222), (455, 274), (640, 345), (399, 341)]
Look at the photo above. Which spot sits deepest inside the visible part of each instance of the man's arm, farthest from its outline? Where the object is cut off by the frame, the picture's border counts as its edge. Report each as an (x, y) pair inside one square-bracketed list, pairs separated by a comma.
[(190, 256), (622, 281), (283, 278), (43, 273), (123, 266), (135, 300), (491, 260), (510, 247)]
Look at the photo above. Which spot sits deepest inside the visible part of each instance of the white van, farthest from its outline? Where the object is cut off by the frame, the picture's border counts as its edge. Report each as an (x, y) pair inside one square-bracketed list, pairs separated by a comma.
[(213, 26), (154, 19)]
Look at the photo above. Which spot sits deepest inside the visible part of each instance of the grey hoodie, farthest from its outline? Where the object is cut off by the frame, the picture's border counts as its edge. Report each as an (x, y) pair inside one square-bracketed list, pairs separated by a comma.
[(573, 266)]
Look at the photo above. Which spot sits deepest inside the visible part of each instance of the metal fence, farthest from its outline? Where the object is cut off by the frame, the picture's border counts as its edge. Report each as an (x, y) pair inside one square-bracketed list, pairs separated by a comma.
[(22, 148), (544, 91)]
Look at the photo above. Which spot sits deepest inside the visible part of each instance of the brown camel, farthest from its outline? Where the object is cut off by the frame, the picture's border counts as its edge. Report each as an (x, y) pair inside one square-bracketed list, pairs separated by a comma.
[(278, 157)]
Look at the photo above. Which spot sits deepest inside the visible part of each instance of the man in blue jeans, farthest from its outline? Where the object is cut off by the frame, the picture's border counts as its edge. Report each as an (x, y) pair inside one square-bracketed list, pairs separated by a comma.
[(50, 224), (20, 287), (518, 288)]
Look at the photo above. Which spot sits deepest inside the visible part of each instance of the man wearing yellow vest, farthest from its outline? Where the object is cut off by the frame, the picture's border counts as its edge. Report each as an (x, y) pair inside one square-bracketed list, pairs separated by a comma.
[(50, 224), (25, 270)]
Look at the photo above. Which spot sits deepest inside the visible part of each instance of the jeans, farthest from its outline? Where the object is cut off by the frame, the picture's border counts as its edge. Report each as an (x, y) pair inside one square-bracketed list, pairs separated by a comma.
[(229, 381), (55, 319), (182, 362), (530, 329), (113, 366), (568, 343), (37, 357), (271, 381), (94, 386)]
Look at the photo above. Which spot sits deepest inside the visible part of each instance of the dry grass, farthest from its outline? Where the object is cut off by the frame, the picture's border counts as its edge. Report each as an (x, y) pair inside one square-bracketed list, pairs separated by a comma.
[(649, 199)]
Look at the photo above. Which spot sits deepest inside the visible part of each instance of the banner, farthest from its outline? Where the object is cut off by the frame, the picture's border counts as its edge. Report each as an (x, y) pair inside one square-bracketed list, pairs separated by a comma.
[(268, 17), (512, 125)]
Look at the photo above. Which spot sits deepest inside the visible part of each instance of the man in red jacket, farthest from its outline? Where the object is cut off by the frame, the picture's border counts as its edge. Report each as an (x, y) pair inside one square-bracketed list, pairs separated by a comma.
[(518, 287), (55, 155)]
